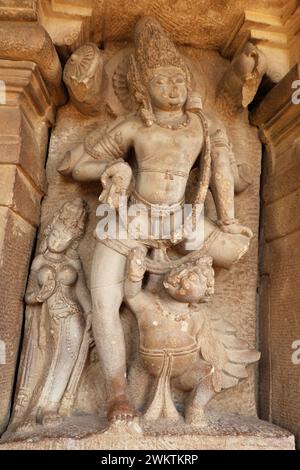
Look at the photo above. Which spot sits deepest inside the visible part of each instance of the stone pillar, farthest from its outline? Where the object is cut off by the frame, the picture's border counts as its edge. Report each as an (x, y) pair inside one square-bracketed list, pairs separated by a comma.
[(26, 112), (278, 118)]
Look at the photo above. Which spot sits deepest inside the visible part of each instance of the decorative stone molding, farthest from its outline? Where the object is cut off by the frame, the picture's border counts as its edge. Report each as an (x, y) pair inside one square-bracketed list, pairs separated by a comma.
[(276, 35), (29, 41), (71, 23), (24, 10), (28, 109), (26, 112)]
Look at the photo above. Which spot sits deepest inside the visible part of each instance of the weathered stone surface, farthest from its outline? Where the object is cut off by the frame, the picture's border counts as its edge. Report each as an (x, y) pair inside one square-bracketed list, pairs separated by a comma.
[(26, 112), (282, 268), (18, 10), (275, 33), (24, 122), (16, 237), (286, 181), (18, 194), (19, 145), (279, 222), (230, 432), (279, 121), (235, 297), (71, 23), (208, 24), (278, 99), (34, 44)]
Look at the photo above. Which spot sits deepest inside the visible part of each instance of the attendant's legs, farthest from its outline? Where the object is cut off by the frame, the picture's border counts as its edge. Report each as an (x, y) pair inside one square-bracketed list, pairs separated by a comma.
[(69, 337)]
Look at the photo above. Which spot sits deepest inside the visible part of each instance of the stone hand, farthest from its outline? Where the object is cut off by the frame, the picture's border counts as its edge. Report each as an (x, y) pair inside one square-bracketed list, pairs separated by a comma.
[(46, 291), (116, 181), (235, 228)]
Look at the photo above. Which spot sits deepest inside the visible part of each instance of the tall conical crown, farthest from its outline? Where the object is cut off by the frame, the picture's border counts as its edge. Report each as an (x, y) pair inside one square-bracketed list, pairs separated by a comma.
[(153, 48)]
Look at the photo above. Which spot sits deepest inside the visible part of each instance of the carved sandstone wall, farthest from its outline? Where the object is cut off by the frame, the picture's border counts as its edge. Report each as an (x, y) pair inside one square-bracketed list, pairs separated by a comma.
[(26, 113), (279, 120)]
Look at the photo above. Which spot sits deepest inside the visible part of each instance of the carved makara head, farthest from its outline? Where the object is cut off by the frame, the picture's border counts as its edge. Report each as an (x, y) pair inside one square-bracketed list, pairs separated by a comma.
[(66, 228), (83, 73), (191, 282), (157, 75)]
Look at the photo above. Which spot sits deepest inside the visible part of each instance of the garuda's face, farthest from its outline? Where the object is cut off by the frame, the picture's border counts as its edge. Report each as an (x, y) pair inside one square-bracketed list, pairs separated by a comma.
[(167, 88)]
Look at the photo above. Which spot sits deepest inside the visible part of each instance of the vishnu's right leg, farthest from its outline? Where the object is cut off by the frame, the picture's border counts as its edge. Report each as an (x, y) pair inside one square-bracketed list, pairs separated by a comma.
[(107, 280)]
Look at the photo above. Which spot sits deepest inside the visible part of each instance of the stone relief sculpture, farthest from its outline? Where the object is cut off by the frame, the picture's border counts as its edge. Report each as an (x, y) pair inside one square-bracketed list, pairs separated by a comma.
[(58, 321), (242, 79), (181, 341), (84, 78), (179, 149), (157, 142), (170, 156)]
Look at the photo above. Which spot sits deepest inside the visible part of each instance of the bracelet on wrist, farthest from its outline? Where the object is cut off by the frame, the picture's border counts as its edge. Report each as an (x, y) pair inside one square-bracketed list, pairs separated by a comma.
[(225, 222)]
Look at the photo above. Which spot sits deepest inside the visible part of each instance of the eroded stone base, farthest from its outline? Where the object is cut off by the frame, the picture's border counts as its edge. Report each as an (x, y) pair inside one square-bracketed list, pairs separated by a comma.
[(225, 432)]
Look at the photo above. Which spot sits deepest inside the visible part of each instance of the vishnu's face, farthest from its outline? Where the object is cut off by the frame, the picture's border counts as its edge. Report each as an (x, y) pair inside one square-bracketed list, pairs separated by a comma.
[(167, 88)]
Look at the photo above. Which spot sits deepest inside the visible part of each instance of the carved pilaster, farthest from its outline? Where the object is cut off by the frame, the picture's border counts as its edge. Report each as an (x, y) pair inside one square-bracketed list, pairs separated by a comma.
[(29, 41), (26, 112), (278, 119)]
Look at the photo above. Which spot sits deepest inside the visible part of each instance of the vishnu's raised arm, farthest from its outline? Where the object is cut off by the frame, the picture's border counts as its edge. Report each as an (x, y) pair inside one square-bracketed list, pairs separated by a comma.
[(88, 161)]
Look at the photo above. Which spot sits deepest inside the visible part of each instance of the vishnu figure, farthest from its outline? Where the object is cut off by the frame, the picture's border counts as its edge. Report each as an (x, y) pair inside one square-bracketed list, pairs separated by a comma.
[(168, 135)]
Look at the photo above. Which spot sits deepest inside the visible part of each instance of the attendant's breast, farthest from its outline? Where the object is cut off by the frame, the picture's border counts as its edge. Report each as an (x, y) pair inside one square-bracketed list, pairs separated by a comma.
[(45, 274), (67, 275)]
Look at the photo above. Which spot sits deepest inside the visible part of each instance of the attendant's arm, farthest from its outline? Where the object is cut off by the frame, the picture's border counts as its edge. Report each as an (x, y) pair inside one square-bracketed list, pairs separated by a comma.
[(35, 293), (31, 296), (82, 292)]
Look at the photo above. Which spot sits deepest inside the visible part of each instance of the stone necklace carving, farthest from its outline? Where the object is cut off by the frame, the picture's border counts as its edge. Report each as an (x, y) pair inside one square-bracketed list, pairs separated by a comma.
[(177, 126), (178, 317)]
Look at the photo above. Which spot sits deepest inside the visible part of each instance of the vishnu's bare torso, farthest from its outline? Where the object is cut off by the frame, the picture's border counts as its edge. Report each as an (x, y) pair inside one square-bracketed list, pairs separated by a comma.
[(165, 158)]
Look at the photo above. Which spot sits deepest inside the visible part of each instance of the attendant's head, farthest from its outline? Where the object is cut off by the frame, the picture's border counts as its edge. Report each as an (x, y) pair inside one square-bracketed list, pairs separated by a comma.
[(66, 228)]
